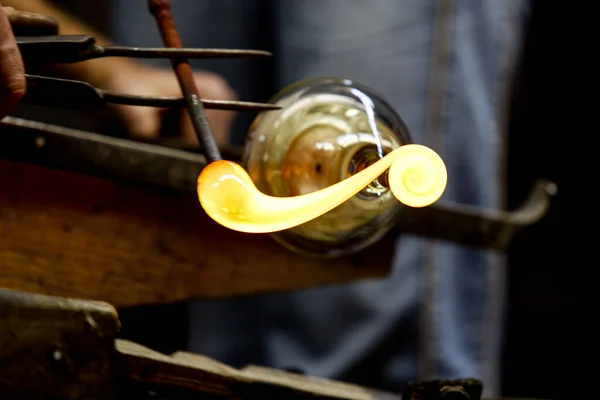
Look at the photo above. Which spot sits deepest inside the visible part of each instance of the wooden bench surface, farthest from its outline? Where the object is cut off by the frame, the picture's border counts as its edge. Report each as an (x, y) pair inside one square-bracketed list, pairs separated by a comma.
[(59, 348), (76, 235)]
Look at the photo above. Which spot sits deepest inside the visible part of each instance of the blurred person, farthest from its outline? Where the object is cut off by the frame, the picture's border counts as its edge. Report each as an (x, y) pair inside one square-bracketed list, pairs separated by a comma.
[(445, 66), (121, 75)]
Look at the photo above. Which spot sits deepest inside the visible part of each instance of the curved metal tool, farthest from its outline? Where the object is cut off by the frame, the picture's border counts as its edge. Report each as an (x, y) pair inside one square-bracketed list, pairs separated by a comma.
[(477, 227), (119, 159)]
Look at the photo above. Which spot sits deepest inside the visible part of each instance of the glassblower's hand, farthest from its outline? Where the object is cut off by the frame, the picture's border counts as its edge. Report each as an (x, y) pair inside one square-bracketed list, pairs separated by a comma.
[(12, 71), (125, 76), (146, 122)]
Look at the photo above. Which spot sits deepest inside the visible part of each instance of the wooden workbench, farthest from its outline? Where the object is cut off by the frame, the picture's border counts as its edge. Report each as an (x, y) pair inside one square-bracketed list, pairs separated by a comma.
[(128, 229)]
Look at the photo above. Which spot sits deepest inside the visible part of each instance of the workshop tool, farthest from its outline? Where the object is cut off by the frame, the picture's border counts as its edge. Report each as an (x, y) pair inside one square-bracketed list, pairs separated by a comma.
[(77, 95), (55, 49), (162, 13), (41, 51)]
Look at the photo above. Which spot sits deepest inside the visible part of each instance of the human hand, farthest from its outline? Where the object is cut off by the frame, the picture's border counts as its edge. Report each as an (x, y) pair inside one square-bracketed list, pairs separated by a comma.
[(26, 23), (12, 71), (146, 122)]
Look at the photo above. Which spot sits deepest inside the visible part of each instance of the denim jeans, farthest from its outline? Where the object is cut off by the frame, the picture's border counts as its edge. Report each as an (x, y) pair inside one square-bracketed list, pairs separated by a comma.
[(445, 66)]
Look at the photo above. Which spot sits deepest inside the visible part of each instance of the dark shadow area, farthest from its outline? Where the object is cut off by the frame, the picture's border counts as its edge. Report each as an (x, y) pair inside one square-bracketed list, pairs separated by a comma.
[(551, 297), (162, 328)]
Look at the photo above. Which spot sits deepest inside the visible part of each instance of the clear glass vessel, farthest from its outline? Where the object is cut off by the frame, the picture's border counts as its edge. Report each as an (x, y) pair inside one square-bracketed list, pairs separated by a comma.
[(327, 130)]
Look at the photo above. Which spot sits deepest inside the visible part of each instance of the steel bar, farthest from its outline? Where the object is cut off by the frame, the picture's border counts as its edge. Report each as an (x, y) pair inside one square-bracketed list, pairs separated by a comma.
[(43, 50), (161, 9), (179, 102), (65, 93), (138, 52)]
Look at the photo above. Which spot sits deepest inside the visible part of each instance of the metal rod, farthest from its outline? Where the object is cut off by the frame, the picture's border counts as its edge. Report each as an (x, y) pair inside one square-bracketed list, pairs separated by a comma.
[(76, 48), (161, 9), (43, 90), (179, 102), (140, 52)]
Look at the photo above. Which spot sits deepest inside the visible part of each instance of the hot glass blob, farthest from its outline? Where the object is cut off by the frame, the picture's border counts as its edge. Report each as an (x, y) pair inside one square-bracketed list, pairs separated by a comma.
[(328, 130)]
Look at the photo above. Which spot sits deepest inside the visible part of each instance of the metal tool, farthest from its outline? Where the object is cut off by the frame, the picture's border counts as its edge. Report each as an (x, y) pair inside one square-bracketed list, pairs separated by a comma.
[(75, 48), (77, 95), (161, 9), (40, 51)]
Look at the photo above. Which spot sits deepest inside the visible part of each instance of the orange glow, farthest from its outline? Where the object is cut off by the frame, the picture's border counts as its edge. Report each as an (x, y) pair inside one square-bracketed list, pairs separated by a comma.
[(417, 177)]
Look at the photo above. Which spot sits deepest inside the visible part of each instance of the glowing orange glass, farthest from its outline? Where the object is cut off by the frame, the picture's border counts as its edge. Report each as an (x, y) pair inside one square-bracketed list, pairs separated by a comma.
[(417, 177)]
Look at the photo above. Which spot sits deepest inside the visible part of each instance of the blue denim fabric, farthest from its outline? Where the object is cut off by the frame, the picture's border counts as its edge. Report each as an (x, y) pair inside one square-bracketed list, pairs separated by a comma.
[(445, 66)]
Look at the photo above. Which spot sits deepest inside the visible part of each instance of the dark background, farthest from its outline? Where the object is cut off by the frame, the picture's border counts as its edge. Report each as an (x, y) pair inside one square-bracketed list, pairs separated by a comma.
[(551, 342)]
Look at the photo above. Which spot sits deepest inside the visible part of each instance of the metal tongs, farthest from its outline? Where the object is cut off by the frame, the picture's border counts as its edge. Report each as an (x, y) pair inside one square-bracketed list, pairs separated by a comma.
[(44, 47), (38, 51)]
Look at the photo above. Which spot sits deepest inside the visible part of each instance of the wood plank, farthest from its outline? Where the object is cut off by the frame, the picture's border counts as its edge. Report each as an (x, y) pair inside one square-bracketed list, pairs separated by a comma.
[(204, 375), (55, 348), (79, 236), (60, 348)]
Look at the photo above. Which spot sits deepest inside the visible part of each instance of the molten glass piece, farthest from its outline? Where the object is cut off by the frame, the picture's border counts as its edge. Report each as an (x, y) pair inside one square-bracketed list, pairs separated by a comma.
[(417, 177), (317, 171)]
